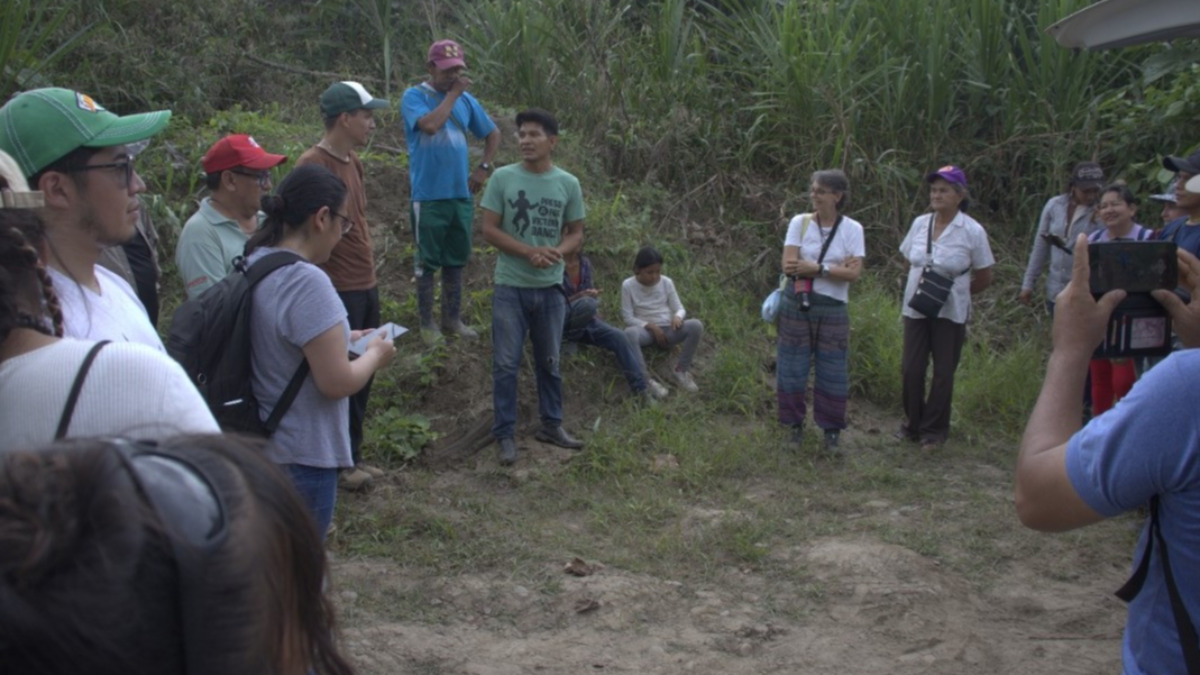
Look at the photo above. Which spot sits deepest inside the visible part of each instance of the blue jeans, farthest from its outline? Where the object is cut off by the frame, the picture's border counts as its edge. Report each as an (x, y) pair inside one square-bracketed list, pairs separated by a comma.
[(318, 490), (540, 312), (604, 336)]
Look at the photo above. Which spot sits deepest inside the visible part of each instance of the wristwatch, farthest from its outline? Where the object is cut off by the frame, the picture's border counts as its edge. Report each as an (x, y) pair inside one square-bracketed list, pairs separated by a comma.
[(486, 166), (824, 270)]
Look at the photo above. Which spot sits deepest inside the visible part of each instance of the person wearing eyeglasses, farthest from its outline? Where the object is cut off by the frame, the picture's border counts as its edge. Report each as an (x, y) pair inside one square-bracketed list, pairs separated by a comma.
[(77, 154), (297, 316), (237, 171), (348, 110)]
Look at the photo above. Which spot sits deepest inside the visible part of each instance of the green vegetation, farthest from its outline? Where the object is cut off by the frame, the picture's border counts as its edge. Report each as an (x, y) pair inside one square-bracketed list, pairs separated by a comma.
[(693, 125)]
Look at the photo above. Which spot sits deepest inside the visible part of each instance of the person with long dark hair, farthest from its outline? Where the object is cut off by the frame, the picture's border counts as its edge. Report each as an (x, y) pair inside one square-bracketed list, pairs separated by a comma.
[(186, 557), (822, 255), (297, 316)]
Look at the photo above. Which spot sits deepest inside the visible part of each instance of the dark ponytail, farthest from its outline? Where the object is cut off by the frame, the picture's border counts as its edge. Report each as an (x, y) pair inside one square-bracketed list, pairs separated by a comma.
[(303, 192), (27, 295)]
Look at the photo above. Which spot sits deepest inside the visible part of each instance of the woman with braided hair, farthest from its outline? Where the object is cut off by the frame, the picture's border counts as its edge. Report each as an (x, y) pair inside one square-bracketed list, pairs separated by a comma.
[(52, 387)]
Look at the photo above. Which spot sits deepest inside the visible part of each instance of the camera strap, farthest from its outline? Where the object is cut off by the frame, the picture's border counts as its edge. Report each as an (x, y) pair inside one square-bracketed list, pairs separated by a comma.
[(1183, 623)]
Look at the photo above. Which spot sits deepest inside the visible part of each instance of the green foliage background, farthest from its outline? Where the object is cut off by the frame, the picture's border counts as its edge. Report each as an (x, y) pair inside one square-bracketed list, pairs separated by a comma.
[(682, 113)]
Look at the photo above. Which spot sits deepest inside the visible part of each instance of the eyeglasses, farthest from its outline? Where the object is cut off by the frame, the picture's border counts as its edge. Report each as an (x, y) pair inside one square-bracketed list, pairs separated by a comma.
[(347, 224), (125, 165), (263, 177)]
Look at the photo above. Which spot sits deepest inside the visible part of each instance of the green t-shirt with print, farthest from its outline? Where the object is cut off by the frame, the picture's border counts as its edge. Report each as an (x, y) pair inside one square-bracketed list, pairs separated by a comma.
[(533, 208)]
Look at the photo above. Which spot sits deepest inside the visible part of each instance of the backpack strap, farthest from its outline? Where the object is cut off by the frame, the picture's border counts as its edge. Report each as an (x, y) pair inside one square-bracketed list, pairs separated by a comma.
[(288, 397), (64, 421), (254, 274), (1183, 623)]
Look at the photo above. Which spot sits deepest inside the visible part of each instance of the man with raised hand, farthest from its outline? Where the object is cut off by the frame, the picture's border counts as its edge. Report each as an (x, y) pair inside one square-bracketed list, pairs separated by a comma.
[(349, 116), (77, 154), (533, 213), (238, 173), (1144, 450), (438, 113)]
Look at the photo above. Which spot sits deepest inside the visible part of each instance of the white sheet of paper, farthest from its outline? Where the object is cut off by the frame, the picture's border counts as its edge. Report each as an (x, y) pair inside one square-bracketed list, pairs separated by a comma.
[(389, 331)]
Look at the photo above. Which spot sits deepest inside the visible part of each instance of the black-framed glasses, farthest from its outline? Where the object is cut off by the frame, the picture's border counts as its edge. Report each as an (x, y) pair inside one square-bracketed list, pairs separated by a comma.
[(125, 165), (347, 224), (263, 177)]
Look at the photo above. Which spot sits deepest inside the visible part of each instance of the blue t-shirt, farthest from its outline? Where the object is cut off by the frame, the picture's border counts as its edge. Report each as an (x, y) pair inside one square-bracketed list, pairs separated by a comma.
[(437, 163), (1186, 237), (1149, 444)]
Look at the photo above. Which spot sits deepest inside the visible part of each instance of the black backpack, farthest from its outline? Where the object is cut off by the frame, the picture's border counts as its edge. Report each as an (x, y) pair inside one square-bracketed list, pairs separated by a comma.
[(210, 338)]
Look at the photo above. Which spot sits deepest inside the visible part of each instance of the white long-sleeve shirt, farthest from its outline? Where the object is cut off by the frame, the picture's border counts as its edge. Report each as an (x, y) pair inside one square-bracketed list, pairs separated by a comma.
[(657, 304)]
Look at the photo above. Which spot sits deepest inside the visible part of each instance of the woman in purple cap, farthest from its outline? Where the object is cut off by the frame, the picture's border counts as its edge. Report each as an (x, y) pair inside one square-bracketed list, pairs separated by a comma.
[(944, 244)]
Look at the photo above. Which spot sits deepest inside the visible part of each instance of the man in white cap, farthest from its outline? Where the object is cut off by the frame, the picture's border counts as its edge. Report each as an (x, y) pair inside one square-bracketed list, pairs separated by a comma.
[(77, 154), (349, 114), (438, 114), (238, 172)]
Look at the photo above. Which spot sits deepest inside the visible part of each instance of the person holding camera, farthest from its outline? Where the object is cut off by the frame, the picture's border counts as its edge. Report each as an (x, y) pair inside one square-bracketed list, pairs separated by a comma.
[(1063, 218), (1113, 378), (1146, 450), (947, 251), (823, 254)]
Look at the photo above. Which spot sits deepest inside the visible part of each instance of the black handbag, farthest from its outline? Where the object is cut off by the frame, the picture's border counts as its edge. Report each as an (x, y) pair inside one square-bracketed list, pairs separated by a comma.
[(933, 288)]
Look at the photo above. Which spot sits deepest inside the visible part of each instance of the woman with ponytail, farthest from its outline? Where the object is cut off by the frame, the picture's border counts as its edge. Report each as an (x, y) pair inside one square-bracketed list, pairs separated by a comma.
[(297, 316), (51, 387)]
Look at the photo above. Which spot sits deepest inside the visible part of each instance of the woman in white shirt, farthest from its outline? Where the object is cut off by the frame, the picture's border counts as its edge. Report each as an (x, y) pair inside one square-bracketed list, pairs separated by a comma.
[(822, 255), (954, 245)]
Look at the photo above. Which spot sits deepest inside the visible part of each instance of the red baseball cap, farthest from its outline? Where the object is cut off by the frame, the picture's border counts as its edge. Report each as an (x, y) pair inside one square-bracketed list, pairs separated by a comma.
[(446, 54), (239, 150)]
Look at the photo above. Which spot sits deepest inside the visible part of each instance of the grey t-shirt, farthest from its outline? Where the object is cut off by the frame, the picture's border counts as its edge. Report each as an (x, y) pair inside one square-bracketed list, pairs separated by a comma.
[(291, 307)]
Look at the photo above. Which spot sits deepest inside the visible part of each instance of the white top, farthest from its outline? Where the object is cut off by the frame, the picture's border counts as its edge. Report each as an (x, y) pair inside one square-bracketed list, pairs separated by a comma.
[(115, 313), (848, 243), (963, 246), (655, 304), (131, 391)]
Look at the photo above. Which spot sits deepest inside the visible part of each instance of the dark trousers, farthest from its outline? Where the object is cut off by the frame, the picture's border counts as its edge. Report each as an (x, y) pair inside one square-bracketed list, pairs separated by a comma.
[(362, 311), (928, 417)]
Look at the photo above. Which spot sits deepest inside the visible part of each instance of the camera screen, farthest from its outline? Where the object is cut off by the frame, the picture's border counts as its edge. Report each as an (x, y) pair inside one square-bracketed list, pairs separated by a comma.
[(1133, 266)]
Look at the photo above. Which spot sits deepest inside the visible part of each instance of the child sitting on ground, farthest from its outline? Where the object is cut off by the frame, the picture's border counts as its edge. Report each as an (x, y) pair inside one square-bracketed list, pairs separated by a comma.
[(653, 314), (584, 326)]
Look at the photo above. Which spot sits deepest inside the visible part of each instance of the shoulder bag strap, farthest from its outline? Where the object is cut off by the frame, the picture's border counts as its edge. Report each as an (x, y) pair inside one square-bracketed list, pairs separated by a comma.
[(64, 421), (1183, 623), (828, 240)]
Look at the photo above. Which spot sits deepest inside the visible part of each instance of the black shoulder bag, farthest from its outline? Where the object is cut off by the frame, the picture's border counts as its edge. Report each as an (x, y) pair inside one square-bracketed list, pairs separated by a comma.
[(933, 288)]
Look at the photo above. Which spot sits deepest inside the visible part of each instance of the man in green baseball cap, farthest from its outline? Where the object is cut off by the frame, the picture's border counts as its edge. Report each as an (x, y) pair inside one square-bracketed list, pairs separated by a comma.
[(76, 153)]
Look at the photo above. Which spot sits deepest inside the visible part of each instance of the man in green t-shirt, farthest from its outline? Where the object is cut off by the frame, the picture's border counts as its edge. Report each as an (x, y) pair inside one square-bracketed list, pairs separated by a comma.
[(533, 213)]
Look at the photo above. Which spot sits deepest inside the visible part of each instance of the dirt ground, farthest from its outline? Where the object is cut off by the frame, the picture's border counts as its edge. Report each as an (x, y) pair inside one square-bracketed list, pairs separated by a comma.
[(862, 605), (885, 609)]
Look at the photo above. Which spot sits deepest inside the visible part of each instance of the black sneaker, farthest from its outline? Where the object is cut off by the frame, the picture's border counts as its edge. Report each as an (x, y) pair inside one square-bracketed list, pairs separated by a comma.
[(795, 437), (508, 451), (832, 437)]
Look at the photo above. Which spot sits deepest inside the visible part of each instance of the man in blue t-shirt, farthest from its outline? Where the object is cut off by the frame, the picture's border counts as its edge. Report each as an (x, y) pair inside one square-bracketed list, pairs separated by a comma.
[(1147, 447), (533, 213), (1184, 231), (438, 113)]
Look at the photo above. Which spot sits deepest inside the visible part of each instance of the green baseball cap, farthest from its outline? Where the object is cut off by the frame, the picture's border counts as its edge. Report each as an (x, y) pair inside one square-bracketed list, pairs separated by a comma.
[(343, 97), (41, 126)]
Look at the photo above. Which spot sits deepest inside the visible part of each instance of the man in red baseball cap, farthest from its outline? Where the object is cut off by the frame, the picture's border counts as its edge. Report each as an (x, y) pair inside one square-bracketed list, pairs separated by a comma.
[(238, 172), (439, 116)]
